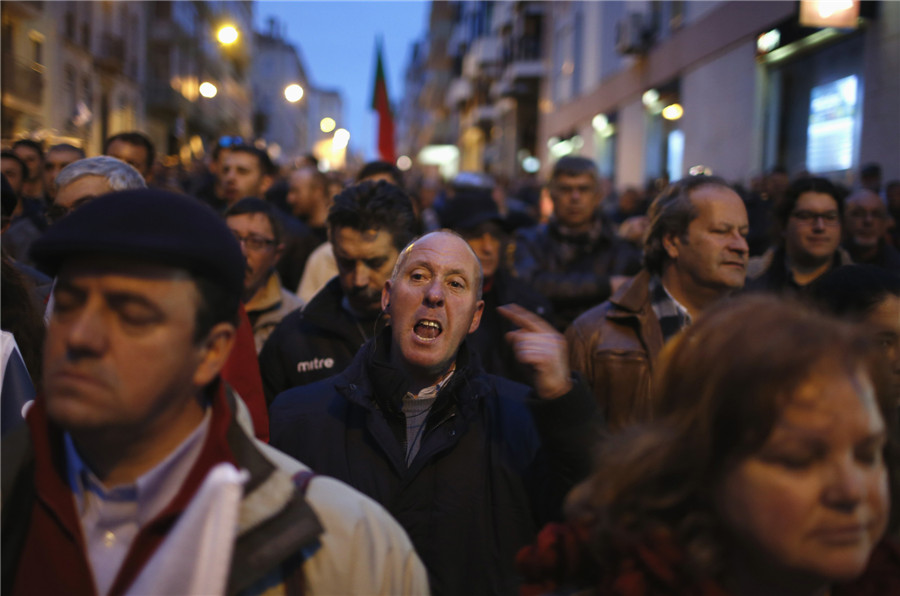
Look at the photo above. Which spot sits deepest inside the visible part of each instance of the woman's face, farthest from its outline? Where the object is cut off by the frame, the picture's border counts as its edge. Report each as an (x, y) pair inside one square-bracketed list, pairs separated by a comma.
[(813, 502)]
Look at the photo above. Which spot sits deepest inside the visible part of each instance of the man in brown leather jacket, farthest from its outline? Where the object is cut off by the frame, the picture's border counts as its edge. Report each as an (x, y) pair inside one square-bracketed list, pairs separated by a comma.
[(695, 253)]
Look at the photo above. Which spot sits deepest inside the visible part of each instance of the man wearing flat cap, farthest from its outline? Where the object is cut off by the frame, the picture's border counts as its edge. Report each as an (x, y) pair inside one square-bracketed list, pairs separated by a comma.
[(137, 471)]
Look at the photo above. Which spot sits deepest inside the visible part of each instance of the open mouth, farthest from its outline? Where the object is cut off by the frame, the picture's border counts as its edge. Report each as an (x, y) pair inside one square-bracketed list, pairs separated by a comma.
[(427, 330)]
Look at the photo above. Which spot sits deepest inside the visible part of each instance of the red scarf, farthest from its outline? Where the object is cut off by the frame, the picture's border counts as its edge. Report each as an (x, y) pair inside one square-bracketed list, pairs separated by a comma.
[(54, 559), (562, 560)]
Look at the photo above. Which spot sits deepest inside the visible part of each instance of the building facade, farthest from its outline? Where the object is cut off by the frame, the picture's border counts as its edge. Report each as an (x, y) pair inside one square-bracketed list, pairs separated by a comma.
[(73, 71), (752, 85), (756, 86)]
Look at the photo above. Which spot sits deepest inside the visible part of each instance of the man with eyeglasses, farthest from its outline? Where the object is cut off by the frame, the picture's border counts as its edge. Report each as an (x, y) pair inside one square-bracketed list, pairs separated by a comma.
[(809, 218), (866, 220), (258, 228), (575, 259)]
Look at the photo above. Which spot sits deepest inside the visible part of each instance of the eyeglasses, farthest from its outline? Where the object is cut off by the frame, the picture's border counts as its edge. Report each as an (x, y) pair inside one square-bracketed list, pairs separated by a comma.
[(230, 141), (829, 218), (254, 242)]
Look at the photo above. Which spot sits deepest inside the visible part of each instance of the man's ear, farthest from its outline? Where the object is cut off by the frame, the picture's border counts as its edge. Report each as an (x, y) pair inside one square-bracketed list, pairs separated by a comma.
[(214, 352), (264, 184), (476, 319), (279, 252), (671, 244), (386, 295)]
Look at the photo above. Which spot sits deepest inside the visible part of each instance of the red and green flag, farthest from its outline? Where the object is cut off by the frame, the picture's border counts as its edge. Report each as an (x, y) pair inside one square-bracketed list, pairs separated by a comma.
[(382, 105)]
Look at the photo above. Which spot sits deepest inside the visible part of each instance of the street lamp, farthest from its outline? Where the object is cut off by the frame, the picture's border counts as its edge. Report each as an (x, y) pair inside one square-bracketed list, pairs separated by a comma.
[(208, 90), (673, 111), (293, 93), (327, 124), (341, 139), (227, 35)]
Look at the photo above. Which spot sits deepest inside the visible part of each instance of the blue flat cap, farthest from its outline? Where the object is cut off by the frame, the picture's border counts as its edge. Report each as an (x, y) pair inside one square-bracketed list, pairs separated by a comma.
[(151, 225)]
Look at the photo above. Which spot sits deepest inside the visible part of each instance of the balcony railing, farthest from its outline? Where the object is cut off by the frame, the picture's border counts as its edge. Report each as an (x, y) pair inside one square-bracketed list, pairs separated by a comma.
[(23, 80), (522, 49)]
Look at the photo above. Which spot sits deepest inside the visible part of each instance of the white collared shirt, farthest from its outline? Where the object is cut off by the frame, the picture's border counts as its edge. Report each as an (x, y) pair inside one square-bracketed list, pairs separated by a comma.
[(112, 517)]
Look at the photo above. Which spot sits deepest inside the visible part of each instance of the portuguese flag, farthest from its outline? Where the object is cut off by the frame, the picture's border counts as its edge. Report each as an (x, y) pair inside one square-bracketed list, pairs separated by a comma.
[(382, 105)]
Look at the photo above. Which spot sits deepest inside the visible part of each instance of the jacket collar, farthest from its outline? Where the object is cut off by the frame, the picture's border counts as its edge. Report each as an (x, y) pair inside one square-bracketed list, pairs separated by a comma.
[(268, 494), (268, 297), (634, 295), (325, 311), (633, 307), (372, 382)]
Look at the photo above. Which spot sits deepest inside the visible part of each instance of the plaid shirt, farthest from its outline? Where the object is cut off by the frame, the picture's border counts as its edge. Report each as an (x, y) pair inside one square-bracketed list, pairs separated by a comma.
[(673, 317)]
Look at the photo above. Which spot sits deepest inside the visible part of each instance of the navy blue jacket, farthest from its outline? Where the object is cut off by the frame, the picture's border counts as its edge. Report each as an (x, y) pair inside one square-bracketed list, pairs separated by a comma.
[(494, 463)]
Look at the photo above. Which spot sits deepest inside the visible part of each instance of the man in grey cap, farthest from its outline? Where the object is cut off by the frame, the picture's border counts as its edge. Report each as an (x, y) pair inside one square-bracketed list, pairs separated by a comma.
[(136, 471)]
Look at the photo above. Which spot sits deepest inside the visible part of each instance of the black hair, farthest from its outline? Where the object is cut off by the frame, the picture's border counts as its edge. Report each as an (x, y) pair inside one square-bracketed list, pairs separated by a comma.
[(870, 170), (374, 168), (254, 205), (262, 157), (133, 138), (66, 147), (7, 154), (854, 290), (785, 207), (375, 205), (217, 305), (36, 145), (574, 165)]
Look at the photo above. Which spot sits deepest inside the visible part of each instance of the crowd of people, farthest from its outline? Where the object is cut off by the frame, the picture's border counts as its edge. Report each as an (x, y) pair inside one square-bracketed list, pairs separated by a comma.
[(249, 378)]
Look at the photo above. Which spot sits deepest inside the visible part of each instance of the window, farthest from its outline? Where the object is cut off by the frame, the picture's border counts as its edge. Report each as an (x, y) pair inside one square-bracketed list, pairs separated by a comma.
[(37, 51)]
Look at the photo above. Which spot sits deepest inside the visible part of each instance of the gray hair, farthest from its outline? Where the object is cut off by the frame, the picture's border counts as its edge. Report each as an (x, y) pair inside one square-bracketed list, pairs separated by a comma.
[(404, 255), (118, 174)]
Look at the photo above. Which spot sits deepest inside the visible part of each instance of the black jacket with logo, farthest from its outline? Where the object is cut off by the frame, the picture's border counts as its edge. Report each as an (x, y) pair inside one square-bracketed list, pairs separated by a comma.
[(312, 343), (494, 462)]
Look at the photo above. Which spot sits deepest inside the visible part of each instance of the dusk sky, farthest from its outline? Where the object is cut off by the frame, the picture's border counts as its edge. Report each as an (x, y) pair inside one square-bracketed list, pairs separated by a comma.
[(336, 41)]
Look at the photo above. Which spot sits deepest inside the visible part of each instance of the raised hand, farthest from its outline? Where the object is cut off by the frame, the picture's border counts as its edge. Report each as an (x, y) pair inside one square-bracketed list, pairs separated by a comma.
[(542, 348)]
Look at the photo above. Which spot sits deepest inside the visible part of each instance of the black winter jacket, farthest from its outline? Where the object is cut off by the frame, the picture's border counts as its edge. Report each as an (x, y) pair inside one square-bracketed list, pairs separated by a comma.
[(488, 341), (313, 343), (494, 464), (573, 270)]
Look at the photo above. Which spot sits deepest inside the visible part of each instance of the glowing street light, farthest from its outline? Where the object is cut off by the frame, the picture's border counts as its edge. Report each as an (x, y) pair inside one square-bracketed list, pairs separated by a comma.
[(227, 35), (404, 163), (327, 124), (208, 90), (673, 111), (293, 93), (341, 139)]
